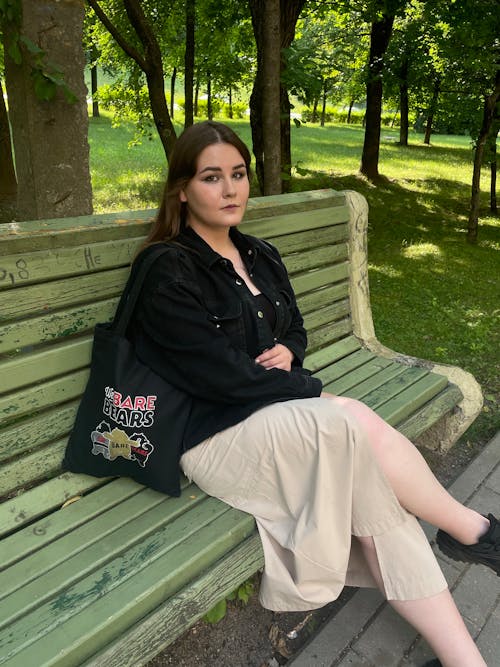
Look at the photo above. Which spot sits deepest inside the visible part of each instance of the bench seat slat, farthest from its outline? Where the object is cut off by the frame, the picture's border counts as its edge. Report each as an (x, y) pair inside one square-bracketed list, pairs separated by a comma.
[(57, 294), (327, 334), (365, 378), (288, 223), (338, 369), (37, 535), (38, 501), (84, 552), (318, 298), (314, 361), (411, 398), (44, 395), (300, 241), (30, 267), (327, 314), (315, 258), (89, 526), (95, 527), (312, 280), (46, 328), (421, 420), (45, 462), (99, 607), (28, 369), (142, 643), (37, 430)]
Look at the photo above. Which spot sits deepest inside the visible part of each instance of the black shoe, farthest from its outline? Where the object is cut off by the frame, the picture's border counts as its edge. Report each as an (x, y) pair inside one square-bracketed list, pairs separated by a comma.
[(433, 663), (486, 551)]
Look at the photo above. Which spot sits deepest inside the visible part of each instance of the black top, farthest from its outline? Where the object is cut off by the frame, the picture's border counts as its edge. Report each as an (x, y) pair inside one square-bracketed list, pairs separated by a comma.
[(199, 326)]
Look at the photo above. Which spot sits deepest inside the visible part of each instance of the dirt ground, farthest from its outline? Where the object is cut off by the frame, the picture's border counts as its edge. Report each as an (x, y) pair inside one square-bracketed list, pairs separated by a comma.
[(250, 636)]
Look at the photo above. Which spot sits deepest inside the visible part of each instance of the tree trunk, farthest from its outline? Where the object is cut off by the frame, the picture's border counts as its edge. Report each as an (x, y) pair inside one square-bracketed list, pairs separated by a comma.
[(432, 111), (271, 103), (380, 35), (210, 113), (172, 92), (490, 102), (93, 89), (196, 96), (8, 183), (150, 63), (403, 104), (189, 63), (493, 159), (314, 117), (351, 104), (50, 136), (289, 13), (230, 111), (493, 186), (323, 108)]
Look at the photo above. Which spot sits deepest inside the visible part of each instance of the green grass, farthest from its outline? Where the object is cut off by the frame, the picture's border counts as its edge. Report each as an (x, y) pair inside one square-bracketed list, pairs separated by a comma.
[(433, 295)]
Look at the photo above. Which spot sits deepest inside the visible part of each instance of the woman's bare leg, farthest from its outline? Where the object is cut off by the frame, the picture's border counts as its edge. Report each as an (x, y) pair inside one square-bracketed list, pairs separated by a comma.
[(411, 479), (436, 618)]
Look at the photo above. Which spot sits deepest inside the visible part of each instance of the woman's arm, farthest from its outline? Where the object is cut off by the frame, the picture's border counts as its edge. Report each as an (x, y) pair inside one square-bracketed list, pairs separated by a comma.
[(178, 340)]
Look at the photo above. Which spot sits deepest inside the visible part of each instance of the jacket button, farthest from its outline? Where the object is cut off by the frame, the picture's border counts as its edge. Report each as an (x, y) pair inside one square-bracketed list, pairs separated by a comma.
[(260, 314), (238, 282), (249, 252), (277, 303)]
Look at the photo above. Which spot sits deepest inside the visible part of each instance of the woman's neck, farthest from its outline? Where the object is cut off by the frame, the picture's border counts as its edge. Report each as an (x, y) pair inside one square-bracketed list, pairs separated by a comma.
[(218, 239)]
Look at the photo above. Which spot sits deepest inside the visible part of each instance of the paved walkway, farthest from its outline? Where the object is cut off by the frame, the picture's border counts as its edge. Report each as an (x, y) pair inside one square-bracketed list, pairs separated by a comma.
[(367, 633)]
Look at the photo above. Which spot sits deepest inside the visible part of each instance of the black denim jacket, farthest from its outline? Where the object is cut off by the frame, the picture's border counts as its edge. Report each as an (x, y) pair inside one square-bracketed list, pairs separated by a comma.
[(198, 326)]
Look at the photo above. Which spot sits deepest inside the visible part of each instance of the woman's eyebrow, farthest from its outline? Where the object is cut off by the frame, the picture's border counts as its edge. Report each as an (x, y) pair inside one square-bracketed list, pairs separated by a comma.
[(238, 166)]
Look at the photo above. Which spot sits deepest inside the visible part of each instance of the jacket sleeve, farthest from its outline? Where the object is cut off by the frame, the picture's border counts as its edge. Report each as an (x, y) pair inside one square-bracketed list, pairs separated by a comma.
[(177, 339)]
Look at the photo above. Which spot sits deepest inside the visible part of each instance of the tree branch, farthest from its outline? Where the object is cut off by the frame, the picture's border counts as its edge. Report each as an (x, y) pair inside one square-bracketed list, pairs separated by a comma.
[(143, 29), (117, 36)]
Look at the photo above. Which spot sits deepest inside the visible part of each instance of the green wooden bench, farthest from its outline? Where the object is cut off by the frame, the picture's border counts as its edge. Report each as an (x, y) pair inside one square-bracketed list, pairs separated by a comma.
[(114, 577)]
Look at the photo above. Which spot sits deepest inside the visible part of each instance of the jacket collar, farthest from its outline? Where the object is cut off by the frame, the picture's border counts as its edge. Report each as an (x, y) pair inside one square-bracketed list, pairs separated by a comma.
[(247, 246)]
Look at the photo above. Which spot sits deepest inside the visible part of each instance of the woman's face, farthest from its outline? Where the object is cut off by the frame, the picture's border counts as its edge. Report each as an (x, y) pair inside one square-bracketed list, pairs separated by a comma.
[(217, 195)]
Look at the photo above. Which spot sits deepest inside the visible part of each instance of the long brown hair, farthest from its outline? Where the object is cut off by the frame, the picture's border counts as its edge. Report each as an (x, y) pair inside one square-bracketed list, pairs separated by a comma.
[(171, 216)]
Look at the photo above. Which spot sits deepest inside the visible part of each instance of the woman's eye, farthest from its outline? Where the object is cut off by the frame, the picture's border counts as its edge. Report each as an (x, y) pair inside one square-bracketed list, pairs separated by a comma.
[(238, 175), (210, 179)]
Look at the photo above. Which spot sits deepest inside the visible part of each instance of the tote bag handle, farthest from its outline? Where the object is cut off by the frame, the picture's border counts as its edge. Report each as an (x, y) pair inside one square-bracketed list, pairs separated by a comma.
[(131, 294)]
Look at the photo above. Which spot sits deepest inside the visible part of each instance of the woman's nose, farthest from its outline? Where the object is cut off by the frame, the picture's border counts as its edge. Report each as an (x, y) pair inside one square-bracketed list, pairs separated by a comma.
[(229, 188)]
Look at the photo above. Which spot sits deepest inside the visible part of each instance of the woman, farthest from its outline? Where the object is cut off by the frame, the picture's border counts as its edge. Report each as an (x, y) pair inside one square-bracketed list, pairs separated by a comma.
[(333, 488)]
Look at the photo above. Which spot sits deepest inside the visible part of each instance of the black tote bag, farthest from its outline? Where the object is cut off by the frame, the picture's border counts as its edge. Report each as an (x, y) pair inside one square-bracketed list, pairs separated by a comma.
[(130, 422)]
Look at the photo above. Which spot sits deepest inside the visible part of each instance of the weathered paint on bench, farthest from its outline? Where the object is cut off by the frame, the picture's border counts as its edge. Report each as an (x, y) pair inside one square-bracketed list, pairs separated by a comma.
[(114, 577)]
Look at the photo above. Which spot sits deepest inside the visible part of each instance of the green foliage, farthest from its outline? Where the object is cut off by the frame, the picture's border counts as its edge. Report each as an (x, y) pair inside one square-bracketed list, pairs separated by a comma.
[(46, 76), (236, 110), (242, 594), (128, 102)]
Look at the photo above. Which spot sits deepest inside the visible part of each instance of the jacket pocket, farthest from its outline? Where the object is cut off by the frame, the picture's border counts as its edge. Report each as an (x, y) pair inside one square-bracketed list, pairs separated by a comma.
[(228, 318)]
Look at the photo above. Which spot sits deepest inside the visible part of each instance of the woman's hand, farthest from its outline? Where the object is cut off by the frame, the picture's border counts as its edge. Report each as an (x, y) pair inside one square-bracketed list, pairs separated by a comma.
[(278, 356)]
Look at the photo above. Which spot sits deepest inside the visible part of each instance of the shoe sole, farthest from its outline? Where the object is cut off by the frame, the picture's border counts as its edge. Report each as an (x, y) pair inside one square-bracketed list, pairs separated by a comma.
[(453, 552)]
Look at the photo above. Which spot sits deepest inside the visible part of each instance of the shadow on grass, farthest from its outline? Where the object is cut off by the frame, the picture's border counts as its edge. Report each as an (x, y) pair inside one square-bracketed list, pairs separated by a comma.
[(433, 295)]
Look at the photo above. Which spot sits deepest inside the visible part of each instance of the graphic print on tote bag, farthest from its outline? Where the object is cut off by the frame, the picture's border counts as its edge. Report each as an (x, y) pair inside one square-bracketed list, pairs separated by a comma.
[(131, 412)]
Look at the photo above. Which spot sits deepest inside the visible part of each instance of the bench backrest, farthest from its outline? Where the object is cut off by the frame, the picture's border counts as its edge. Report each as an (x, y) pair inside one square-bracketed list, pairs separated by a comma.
[(58, 278)]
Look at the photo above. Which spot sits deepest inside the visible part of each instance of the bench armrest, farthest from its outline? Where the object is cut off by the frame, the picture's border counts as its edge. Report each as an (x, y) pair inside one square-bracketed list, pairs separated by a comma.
[(442, 435)]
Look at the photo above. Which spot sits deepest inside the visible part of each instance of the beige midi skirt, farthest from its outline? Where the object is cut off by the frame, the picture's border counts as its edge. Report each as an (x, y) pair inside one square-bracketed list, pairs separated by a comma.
[(305, 470)]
